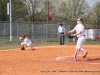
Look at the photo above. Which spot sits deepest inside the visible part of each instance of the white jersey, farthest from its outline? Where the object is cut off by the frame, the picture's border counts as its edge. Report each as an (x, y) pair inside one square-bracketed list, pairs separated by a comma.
[(78, 28), (26, 40)]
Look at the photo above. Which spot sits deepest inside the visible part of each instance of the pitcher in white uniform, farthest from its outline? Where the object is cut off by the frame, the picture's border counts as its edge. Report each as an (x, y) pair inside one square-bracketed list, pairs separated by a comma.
[(80, 33), (26, 42)]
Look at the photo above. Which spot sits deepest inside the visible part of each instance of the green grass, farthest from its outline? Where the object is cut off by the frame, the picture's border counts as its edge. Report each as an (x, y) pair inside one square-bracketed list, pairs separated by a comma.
[(86, 43), (92, 42), (39, 44), (9, 46)]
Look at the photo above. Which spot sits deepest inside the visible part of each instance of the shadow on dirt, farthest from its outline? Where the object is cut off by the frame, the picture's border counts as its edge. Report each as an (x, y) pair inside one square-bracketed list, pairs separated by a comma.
[(93, 59)]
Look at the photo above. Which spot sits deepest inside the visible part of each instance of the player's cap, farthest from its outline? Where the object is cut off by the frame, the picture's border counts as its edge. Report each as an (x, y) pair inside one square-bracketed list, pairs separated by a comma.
[(23, 35), (60, 23)]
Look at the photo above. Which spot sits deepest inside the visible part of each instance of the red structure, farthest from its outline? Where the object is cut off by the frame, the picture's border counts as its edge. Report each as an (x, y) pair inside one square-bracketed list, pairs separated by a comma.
[(50, 15), (98, 37)]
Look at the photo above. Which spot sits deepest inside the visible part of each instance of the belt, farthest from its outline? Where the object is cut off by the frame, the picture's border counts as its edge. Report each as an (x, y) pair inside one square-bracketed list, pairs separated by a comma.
[(62, 33), (83, 35)]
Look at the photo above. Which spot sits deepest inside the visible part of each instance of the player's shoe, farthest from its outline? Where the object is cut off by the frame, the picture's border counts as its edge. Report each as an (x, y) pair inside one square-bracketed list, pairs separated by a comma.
[(85, 55), (33, 49), (23, 48), (73, 59)]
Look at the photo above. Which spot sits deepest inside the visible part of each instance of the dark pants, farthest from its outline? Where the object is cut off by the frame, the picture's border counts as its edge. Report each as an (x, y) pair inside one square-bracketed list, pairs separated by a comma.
[(62, 38)]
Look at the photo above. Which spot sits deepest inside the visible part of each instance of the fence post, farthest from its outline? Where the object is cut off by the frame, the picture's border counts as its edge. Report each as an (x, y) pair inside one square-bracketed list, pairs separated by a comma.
[(4, 33), (32, 32)]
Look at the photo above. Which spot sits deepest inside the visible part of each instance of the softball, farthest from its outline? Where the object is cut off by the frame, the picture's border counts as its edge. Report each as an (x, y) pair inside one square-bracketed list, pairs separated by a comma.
[(20, 38)]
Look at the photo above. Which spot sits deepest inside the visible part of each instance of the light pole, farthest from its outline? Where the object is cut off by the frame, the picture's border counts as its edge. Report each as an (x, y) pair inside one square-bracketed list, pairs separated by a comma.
[(10, 1)]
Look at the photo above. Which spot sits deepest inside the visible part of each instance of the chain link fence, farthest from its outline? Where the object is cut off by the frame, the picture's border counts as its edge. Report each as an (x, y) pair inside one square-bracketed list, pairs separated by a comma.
[(36, 32)]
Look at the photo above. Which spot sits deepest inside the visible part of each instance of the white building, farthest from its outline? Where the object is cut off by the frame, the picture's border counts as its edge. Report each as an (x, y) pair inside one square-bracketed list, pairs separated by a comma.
[(92, 33)]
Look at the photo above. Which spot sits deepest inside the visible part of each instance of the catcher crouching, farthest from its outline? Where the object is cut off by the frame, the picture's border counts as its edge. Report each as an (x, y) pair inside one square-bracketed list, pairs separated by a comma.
[(26, 42)]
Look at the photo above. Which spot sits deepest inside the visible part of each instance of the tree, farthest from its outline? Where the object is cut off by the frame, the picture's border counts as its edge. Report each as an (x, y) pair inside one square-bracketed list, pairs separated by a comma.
[(69, 10), (3, 10), (33, 7), (75, 9), (19, 10), (95, 15)]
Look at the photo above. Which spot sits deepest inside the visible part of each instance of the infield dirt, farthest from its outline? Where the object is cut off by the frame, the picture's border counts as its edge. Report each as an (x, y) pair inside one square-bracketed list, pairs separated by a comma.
[(42, 61)]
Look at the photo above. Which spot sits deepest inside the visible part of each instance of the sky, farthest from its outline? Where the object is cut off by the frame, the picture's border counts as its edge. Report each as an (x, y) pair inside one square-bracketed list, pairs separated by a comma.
[(92, 2)]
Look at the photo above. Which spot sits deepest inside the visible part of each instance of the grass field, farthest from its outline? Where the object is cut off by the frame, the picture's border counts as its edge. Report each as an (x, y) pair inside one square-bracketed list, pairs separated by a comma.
[(39, 44)]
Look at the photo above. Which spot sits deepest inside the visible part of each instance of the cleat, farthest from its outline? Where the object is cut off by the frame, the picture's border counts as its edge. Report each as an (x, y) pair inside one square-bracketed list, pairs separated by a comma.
[(22, 48), (73, 59), (33, 49), (85, 55)]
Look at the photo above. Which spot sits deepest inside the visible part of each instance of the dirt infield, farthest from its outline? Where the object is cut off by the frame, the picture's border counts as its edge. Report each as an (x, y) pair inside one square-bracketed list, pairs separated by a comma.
[(43, 61)]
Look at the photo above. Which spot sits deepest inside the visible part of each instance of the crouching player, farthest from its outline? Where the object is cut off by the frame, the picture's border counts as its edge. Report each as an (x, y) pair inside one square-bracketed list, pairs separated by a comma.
[(26, 42)]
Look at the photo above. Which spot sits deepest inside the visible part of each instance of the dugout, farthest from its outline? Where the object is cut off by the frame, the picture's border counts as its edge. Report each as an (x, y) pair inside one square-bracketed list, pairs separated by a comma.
[(92, 33)]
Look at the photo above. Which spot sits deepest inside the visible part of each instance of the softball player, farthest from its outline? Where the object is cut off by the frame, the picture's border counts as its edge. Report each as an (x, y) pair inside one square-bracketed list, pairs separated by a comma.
[(26, 42), (80, 33)]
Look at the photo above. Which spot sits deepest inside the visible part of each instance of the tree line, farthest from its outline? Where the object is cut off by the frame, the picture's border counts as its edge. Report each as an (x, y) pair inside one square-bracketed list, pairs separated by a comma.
[(65, 11)]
